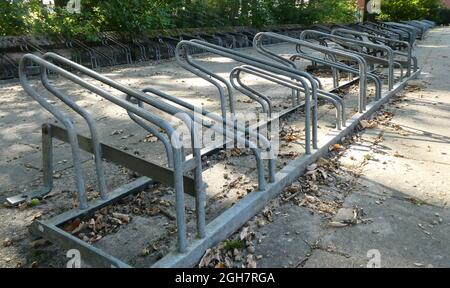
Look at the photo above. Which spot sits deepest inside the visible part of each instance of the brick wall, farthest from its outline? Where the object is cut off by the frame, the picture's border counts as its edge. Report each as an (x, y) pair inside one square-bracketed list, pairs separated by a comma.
[(446, 3)]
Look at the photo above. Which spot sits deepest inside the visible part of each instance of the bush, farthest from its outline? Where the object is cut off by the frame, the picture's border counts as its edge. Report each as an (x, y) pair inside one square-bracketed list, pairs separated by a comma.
[(443, 17), (396, 10), (14, 17), (137, 16)]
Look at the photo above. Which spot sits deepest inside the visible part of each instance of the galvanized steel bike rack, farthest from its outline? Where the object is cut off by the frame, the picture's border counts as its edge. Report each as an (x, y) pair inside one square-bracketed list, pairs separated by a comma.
[(183, 58), (362, 70), (366, 54), (49, 228), (282, 72), (224, 225), (411, 62)]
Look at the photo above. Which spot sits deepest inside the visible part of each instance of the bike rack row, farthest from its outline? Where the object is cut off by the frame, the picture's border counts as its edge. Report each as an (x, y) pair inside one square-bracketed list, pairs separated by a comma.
[(111, 48), (348, 49)]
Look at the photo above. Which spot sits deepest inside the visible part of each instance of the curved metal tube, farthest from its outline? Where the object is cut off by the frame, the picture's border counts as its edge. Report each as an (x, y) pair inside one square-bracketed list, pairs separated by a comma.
[(385, 40), (152, 130), (362, 63), (61, 117), (177, 151), (389, 51), (299, 76), (334, 99), (237, 137), (340, 66), (96, 147)]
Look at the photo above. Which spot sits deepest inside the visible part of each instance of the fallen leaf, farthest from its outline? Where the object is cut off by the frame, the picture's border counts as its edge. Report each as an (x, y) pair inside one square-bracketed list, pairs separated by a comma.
[(117, 132), (220, 265), (236, 152), (23, 206), (206, 259), (228, 262), (244, 233), (123, 217), (150, 138), (39, 243), (312, 167), (36, 215), (79, 228), (72, 225), (337, 224), (7, 242), (153, 211), (251, 263), (368, 124), (336, 147), (398, 155)]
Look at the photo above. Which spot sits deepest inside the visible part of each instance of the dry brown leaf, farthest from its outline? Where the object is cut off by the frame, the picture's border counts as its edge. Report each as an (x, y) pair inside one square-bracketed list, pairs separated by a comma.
[(153, 211), (80, 227), (244, 233), (220, 265), (334, 224), (72, 225), (312, 167), (228, 262), (23, 206), (206, 259), (122, 217), (236, 152), (251, 263), (36, 215), (398, 155), (336, 147), (7, 242), (404, 133), (324, 173), (39, 243), (150, 138), (365, 124)]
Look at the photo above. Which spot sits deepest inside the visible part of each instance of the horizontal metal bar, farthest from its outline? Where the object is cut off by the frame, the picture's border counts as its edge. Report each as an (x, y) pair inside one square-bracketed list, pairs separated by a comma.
[(144, 167), (88, 253)]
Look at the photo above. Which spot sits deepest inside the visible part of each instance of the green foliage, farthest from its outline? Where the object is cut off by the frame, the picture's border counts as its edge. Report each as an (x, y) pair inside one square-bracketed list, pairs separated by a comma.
[(137, 16), (13, 17), (443, 16), (234, 244), (396, 10)]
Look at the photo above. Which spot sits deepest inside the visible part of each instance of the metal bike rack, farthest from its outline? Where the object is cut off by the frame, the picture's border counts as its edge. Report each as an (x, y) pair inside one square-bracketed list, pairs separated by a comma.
[(235, 216), (283, 72), (265, 101), (410, 63), (156, 173), (365, 54), (363, 69), (183, 58)]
